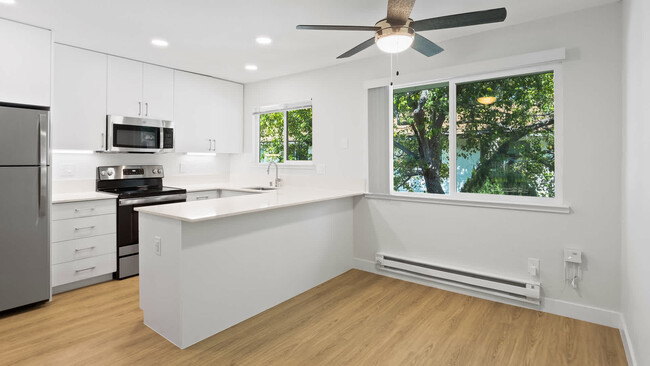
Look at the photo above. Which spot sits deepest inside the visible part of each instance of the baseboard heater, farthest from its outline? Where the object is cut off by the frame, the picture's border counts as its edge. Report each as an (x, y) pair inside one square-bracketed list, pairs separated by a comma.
[(528, 292)]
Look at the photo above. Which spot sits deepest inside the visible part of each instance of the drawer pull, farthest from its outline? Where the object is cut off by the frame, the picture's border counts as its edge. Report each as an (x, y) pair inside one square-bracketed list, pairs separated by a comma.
[(89, 248), (85, 269), (84, 228), (202, 198), (84, 209)]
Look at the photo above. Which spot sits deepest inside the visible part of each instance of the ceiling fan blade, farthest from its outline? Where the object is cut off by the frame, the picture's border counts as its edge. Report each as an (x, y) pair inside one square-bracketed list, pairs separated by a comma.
[(425, 47), (399, 11), (339, 27), (461, 20), (358, 48)]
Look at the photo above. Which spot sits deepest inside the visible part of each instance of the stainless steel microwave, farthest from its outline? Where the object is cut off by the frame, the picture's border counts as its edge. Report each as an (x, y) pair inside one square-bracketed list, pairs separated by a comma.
[(141, 135)]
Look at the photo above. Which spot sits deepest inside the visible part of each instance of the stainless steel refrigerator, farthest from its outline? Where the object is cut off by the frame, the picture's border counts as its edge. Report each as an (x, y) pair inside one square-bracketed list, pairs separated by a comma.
[(24, 206)]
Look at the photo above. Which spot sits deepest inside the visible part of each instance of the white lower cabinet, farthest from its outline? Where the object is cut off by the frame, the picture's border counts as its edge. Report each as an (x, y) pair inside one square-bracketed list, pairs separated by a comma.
[(83, 239), (82, 269), (202, 195)]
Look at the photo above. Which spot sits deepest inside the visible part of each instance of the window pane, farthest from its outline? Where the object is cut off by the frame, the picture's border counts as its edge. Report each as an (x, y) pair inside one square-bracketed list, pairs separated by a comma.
[(299, 134), (272, 137), (421, 139), (505, 136)]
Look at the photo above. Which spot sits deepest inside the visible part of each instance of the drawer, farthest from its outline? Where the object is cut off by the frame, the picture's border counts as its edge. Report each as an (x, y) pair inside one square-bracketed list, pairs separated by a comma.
[(61, 211), (70, 250), (202, 195), (84, 268), (83, 227)]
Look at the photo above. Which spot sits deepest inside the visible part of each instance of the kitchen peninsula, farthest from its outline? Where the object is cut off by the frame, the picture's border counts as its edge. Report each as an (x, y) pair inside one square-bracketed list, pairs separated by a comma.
[(208, 265)]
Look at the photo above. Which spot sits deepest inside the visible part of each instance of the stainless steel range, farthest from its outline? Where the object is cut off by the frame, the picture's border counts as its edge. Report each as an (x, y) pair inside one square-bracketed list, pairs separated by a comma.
[(135, 186)]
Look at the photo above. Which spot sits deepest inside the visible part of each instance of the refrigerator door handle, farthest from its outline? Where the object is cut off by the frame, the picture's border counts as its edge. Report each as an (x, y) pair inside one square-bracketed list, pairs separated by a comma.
[(42, 140), (42, 191)]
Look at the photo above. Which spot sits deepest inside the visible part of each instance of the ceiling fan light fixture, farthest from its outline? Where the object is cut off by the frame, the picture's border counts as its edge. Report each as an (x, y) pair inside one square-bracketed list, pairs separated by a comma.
[(394, 39)]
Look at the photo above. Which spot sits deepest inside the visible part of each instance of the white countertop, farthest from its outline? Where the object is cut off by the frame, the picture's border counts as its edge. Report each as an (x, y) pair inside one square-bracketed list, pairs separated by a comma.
[(231, 206), (80, 196)]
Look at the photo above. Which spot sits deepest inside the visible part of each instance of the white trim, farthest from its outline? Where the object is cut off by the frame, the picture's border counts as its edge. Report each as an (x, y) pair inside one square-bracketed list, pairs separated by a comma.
[(587, 313), (433, 199), (557, 200), (627, 342)]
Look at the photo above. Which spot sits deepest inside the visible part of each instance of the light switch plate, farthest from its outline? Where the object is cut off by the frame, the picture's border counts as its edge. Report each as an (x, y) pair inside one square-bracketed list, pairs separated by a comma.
[(533, 267), (320, 169), (157, 245), (572, 255)]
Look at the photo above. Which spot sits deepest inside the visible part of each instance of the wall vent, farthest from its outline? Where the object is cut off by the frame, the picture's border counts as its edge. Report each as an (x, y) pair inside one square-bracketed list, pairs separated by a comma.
[(525, 291)]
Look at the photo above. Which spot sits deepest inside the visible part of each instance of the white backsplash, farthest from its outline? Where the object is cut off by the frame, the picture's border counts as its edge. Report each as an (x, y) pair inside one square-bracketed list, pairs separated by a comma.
[(66, 166)]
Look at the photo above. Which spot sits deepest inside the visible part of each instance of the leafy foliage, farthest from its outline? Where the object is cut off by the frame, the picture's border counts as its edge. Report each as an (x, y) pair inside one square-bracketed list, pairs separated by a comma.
[(299, 127), (509, 143), (272, 137)]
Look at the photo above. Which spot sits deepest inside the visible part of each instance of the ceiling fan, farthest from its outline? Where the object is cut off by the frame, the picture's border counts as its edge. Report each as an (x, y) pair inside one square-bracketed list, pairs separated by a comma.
[(397, 32)]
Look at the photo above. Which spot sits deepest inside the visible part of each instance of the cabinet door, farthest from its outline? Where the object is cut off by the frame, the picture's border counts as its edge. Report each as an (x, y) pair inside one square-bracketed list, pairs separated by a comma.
[(230, 118), (195, 112), (158, 92), (124, 89), (79, 99), (25, 64)]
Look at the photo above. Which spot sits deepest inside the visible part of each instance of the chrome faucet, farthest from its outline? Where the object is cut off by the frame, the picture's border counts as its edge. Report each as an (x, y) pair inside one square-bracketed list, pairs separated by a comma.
[(277, 180)]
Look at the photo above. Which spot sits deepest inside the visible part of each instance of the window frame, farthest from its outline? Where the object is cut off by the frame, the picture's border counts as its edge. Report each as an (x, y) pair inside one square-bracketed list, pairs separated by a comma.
[(284, 108), (454, 195)]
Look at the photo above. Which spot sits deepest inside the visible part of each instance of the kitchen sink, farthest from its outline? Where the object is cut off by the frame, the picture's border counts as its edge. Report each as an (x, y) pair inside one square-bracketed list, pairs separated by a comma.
[(261, 188)]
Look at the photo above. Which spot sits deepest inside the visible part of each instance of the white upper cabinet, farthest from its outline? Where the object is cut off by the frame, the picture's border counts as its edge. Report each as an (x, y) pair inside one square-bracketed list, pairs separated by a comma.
[(195, 112), (124, 90), (208, 114), (25, 64), (79, 99), (158, 92), (139, 90), (230, 117)]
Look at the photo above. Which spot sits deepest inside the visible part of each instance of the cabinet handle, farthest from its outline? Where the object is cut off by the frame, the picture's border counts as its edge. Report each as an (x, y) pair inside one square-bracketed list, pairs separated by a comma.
[(210, 142), (213, 148), (85, 269), (146, 109), (84, 228), (139, 108), (84, 209), (102, 141), (202, 198), (80, 249)]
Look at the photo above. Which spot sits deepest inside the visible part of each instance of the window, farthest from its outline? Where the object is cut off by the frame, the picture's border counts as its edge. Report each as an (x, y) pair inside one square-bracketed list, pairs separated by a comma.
[(476, 138), (285, 135)]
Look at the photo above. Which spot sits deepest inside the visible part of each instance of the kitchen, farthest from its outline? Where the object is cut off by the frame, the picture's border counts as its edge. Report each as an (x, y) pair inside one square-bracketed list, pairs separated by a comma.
[(337, 213)]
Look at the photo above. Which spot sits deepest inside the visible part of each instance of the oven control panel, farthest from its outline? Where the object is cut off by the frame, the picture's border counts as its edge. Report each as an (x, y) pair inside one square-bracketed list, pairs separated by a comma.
[(129, 172)]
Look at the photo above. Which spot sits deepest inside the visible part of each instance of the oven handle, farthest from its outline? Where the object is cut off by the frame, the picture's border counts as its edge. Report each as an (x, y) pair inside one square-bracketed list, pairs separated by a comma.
[(151, 199)]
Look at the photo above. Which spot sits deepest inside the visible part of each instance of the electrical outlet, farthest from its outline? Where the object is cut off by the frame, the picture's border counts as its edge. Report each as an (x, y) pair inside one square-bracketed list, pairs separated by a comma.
[(533, 267), (157, 245)]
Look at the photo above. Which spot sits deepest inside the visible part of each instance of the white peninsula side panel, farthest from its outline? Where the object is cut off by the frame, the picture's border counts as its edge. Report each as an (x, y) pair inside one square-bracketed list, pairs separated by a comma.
[(211, 275)]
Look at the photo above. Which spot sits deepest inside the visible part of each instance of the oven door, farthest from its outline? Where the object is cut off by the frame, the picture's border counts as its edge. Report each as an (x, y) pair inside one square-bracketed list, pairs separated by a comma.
[(128, 231), (126, 134)]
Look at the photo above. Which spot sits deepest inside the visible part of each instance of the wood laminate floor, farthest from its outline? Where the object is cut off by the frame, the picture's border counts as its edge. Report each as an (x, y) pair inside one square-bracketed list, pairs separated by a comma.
[(357, 318)]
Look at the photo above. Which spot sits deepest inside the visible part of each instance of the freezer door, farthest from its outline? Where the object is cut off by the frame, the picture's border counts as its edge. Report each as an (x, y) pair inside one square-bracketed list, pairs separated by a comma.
[(24, 238), (24, 137)]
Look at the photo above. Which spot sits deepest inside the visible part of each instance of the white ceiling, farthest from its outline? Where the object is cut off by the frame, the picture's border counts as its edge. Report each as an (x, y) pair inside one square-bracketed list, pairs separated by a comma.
[(217, 37)]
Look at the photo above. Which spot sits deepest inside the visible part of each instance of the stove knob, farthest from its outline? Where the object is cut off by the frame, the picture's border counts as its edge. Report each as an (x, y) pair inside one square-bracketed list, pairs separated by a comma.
[(153, 170), (110, 173), (102, 173), (159, 171)]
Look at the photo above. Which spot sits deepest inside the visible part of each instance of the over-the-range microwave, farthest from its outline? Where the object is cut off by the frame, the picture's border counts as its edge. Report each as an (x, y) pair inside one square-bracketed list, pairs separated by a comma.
[(140, 135)]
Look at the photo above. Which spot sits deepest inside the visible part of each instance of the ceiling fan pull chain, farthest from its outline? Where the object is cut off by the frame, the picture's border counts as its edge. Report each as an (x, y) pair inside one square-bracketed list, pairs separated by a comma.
[(391, 69)]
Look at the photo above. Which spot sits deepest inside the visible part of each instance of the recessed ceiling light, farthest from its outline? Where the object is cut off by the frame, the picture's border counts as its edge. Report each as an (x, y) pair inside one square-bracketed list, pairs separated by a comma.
[(157, 42), (8, 2), (250, 67), (263, 40)]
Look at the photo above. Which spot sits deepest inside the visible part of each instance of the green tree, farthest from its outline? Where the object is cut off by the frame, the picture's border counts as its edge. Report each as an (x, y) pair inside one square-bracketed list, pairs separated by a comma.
[(299, 129), (512, 137), (272, 137)]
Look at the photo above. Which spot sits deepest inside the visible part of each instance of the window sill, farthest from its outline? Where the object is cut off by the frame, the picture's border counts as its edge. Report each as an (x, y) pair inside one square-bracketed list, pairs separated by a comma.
[(560, 209)]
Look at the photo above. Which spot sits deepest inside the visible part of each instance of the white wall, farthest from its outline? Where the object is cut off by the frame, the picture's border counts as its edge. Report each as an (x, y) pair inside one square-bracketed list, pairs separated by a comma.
[(491, 240), (636, 202)]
